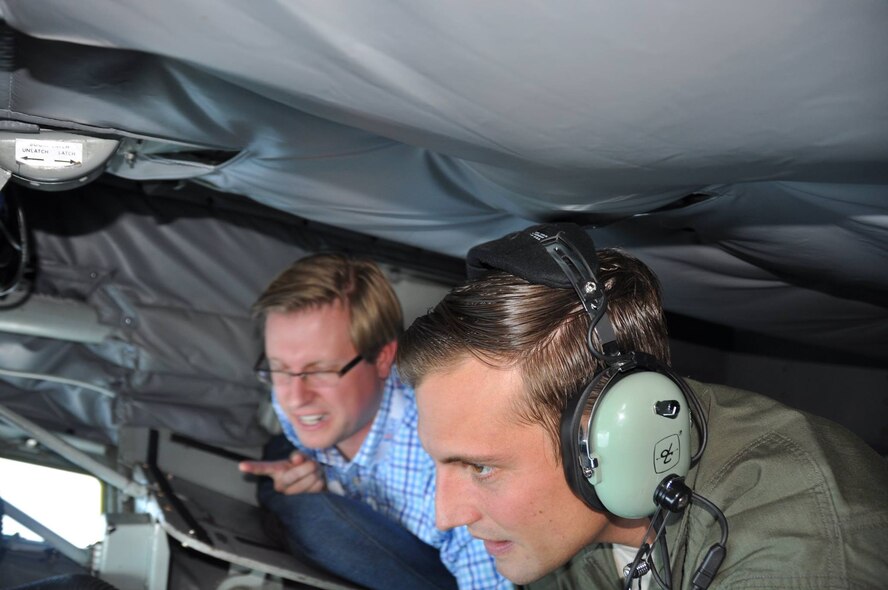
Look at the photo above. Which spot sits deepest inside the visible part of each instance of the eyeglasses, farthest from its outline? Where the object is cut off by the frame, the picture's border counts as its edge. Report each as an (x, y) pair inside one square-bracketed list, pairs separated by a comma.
[(281, 378)]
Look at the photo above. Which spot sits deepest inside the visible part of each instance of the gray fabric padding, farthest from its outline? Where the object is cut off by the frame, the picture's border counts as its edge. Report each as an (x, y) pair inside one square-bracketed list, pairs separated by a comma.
[(741, 150)]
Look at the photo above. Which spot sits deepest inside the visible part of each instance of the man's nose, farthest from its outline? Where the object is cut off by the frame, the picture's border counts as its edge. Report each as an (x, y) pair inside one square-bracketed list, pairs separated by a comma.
[(295, 393), (454, 505)]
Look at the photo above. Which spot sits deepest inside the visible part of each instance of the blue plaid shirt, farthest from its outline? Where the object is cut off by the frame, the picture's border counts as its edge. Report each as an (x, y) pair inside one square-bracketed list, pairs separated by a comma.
[(393, 474)]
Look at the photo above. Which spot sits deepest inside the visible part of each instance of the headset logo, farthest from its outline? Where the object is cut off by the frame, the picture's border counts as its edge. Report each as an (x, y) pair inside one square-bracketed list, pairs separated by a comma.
[(667, 453)]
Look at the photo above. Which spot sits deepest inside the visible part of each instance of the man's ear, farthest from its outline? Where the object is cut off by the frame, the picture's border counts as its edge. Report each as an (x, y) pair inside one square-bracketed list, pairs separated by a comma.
[(386, 358)]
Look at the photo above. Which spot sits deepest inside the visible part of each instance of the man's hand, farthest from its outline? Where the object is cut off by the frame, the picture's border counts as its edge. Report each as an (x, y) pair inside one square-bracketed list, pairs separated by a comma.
[(296, 475)]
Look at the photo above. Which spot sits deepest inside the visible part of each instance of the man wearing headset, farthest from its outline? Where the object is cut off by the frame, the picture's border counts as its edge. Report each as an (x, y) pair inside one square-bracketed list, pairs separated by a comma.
[(498, 367)]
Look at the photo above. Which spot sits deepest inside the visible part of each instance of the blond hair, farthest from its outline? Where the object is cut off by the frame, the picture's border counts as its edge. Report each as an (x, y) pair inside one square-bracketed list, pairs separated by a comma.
[(357, 283)]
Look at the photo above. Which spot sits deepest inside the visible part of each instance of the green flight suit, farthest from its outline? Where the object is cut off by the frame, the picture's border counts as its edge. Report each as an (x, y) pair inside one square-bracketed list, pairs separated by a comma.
[(806, 503)]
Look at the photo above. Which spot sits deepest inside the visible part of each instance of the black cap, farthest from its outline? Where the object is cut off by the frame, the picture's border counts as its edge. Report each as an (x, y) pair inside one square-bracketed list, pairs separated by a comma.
[(521, 254)]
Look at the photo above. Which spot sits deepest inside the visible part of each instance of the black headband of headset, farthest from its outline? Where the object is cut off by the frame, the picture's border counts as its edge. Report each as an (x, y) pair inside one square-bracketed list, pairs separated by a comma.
[(520, 254)]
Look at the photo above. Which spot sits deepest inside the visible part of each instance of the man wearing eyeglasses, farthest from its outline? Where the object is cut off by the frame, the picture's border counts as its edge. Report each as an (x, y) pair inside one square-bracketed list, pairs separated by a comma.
[(356, 497)]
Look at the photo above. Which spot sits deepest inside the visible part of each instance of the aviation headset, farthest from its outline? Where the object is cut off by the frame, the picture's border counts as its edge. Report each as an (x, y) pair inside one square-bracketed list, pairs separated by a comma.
[(625, 434)]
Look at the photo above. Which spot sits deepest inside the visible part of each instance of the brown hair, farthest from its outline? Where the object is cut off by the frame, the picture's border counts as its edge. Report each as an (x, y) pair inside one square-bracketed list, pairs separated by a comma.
[(505, 321), (359, 284)]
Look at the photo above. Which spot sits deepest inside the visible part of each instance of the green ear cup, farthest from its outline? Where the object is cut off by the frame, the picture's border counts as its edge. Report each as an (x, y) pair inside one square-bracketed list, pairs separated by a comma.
[(638, 433)]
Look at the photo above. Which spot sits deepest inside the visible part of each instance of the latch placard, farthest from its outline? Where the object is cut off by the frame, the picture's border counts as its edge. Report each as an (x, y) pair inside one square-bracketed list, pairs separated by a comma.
[(48, 154)]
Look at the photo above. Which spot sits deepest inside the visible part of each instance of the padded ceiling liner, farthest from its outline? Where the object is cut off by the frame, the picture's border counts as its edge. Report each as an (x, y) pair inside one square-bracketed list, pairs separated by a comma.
[(741, 149), (441, 126)]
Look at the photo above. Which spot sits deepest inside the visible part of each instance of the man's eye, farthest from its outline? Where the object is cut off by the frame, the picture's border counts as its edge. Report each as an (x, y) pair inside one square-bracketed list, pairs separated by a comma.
[(480, 470)]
